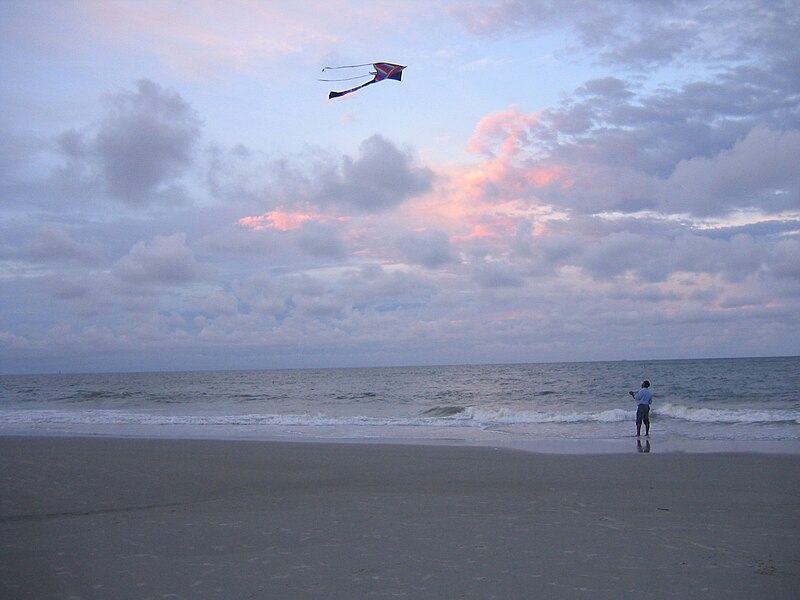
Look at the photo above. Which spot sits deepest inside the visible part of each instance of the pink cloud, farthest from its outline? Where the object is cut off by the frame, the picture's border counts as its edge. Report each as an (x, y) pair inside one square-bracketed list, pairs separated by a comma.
[(283, 220), (549, 175), (513, 166), (491, 226), (276, 219), (509, 130)]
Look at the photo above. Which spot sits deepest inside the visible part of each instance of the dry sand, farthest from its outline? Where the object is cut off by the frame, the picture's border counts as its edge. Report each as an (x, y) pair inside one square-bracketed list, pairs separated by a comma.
[(129, 518)]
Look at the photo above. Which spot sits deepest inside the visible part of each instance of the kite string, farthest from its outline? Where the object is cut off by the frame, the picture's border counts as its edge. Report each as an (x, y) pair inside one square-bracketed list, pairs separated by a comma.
[(348, 78), (348, 66)]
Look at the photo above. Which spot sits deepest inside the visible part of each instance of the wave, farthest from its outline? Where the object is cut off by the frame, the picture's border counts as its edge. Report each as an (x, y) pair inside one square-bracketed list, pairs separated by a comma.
[(483, 416), (521, 417), (439, 416), (96, 395), (444, 416), (444, 411), (727, 415), (663, 411), (115, 417)]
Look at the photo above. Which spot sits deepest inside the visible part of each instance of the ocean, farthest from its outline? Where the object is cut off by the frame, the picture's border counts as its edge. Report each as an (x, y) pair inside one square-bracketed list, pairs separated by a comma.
[(709, 404)]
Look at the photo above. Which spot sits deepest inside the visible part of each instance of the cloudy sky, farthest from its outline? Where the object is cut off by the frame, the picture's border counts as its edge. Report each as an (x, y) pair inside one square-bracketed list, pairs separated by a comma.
[(552, 180)]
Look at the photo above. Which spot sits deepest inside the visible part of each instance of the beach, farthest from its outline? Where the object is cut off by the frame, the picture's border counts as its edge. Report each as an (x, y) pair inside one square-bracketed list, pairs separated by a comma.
[(103, 517)]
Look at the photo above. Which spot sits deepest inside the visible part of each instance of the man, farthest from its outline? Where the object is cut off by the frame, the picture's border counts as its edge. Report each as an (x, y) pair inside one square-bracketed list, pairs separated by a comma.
[(644, 397)]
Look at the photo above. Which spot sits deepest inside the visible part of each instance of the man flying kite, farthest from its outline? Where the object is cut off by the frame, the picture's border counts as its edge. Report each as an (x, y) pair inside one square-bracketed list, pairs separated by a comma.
[(382, 71)]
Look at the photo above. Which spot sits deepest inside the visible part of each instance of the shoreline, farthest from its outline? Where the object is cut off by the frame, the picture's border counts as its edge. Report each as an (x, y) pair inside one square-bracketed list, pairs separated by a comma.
[(101, 517), (655, 443)]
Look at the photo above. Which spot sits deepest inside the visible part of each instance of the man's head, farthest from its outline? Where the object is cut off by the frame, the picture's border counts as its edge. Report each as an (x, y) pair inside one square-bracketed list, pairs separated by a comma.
[(645, 383)]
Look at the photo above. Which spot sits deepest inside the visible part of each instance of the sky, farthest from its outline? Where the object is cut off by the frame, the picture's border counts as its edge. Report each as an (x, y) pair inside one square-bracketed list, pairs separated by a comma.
[(552, 180)]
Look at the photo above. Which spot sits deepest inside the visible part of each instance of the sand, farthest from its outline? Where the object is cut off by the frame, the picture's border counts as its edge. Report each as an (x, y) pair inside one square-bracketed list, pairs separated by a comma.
[(131, 518)]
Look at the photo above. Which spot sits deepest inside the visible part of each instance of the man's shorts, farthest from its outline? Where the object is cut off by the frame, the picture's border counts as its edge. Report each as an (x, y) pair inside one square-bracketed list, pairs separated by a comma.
[(643, 413)]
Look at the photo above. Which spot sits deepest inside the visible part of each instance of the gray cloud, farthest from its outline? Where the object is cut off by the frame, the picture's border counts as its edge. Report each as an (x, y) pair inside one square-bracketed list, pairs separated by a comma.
[(652, 255), (609, 88), (72, 288), (320, 240), (643, 34), (429, 248), (653, 132), (47, 244), (145, 142), (166, 259), (382, 177), (759, 171), (318, 303), (54, 244), (494, 274), (785, 259), (755, 172)]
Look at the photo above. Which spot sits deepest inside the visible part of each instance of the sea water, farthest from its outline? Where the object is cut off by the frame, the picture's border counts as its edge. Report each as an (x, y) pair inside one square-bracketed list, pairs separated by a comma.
[(713, 402)]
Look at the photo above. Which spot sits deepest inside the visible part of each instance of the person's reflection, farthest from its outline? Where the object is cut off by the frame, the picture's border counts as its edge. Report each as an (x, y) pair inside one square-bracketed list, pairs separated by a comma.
[(645, 448)]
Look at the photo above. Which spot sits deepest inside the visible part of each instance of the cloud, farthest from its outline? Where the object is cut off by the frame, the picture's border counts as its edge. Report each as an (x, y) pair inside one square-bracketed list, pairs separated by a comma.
[(429, 248), (785, 259), (286, 220), (609, 88), (381, 178), (643, 35), (49, 244), (650, 254), (651, 207), (710, 144), (625, 165), (281, 220), (494, 274), (758, 171), (72, 288), (165, 259), (515, 158), (277, 239), (145, 143), (503, 132), (320, 240)]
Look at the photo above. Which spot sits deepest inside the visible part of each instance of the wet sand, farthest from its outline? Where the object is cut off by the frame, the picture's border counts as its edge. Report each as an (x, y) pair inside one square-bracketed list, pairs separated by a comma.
[(136, 518)]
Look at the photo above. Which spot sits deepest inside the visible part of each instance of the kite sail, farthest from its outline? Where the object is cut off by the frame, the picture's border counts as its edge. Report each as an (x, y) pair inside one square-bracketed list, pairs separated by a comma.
[(383, 70)]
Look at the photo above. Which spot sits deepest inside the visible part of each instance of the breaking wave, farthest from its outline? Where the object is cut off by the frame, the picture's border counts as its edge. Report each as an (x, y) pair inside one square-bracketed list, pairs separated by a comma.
[(728, 415), (439, 416), (512, 417), (444, 411)]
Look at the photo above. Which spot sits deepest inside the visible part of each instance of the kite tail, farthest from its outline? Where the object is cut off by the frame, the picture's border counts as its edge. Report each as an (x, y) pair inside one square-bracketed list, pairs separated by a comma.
[(358, 87)]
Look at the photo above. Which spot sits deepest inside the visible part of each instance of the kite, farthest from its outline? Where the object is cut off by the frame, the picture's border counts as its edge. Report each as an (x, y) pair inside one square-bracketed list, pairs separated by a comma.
[(383, 70)]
